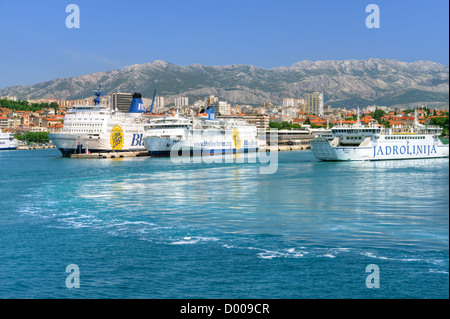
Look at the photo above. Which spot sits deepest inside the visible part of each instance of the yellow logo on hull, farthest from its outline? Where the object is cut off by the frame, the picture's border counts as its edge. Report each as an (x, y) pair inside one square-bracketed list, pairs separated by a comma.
[(117, 138), (237, 139)]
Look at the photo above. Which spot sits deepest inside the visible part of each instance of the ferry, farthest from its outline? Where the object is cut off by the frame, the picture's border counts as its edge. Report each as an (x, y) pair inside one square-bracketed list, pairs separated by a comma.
[(200, 136), (360, 143), (97, 128), (7, 141)]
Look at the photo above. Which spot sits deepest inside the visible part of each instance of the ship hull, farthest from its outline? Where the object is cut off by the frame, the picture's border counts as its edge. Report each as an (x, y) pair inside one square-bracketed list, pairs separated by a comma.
[(80, 144), (165, 147), (7, 141), (381, 151)]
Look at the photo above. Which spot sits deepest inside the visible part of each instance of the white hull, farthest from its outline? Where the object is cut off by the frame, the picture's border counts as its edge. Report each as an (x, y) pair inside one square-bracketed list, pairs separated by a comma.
[(163, 146), (69, 143), (7, 141), (405, 149), (176, 136)]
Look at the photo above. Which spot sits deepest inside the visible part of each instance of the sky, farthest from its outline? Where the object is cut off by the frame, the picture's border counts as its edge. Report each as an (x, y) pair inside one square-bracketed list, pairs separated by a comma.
[(36, 45)]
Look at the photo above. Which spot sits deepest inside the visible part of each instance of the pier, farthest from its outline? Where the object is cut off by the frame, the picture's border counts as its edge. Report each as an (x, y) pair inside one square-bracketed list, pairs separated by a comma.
[(23, 147)]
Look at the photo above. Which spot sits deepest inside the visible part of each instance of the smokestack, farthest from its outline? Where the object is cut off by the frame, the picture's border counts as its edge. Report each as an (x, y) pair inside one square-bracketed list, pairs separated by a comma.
[(136, 105)]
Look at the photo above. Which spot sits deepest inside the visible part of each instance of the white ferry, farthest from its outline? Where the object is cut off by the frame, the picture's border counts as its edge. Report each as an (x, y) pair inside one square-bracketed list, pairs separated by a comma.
[(205, 135), (7, 141), (358, 143), (97, 128)]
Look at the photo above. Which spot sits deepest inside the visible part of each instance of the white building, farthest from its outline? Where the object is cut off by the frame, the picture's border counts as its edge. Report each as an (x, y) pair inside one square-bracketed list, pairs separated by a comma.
[(291, 102), (182, 101), (290, 111), (314, 103), (159, 102), (221, 108)]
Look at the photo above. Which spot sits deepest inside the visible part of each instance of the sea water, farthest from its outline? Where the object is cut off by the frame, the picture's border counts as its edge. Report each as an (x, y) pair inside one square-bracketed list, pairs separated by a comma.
[(150, 228)]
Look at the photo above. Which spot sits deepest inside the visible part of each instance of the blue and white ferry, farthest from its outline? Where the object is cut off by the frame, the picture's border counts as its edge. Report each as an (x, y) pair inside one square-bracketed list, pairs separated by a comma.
[(177, 136), (98, 128), (359, 143), (7, 141)]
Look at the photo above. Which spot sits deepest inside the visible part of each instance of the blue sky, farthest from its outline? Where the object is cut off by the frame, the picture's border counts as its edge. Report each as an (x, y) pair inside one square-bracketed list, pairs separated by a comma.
[(36, 45)]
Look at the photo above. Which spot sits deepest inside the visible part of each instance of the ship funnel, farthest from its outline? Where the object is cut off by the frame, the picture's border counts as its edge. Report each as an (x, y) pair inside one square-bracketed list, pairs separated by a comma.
[(211, 113), (136, 104)]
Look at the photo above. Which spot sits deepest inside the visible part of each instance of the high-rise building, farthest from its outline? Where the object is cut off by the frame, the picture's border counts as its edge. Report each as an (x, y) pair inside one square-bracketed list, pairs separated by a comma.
[(211, 100), (159, 102), (182, 101), (120, 101), (288, 102), (314, 103), (221, 108), (291, 102)]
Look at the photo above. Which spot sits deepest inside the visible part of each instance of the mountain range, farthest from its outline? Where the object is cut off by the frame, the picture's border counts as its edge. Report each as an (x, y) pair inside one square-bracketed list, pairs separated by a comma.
[(344, 82)]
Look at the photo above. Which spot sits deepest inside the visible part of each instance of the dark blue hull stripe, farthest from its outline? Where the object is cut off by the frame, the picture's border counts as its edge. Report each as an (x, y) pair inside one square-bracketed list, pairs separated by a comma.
[(69, 151), (197, 153)]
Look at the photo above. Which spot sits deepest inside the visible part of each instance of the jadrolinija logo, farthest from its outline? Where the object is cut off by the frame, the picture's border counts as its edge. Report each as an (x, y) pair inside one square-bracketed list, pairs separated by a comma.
[(117, 138)]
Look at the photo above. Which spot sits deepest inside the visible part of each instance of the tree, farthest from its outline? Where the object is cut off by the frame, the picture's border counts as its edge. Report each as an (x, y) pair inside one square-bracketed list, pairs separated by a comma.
[(54, 106), (36, 137), (275, 125), (378, 114), (285, 125), (385, 123)]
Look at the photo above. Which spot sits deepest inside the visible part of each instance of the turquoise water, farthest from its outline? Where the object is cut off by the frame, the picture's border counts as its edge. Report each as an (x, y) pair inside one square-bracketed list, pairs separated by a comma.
[(149, 228)]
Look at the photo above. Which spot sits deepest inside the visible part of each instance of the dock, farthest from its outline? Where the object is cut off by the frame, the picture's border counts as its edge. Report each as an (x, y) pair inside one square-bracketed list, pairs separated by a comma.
[(23, 147)]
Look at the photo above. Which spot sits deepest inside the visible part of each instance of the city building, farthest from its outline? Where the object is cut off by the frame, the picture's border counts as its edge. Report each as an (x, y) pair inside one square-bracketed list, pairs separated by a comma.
[(4, 122), (211, 100), (314, 103), (120, 101), (291, 102), (159, 102), (221, 107), (182, 101), (260, 121)]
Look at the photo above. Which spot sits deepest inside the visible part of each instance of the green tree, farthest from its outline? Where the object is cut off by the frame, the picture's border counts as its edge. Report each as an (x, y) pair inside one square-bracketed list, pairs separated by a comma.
[(54, 106), (385, 123), (275, 125), (33, 137), (285, 125), (378, 114), (25, 106)]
